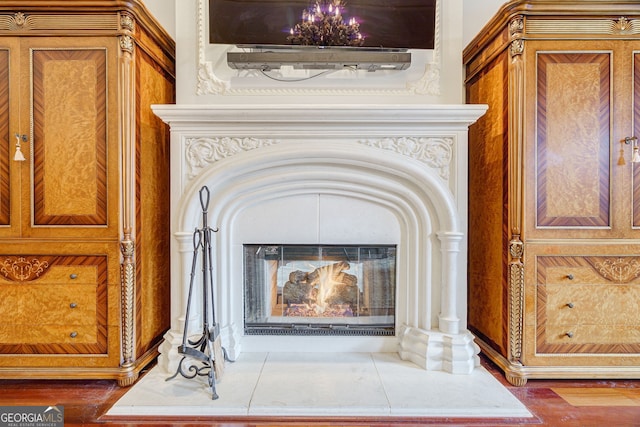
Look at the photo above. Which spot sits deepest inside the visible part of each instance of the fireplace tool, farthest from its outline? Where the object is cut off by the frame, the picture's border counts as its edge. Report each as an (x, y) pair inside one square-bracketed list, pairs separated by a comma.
[(205, 352)]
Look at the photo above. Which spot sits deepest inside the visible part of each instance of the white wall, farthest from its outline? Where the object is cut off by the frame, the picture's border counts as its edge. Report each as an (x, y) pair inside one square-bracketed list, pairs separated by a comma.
[(165, 12), (475, 14)]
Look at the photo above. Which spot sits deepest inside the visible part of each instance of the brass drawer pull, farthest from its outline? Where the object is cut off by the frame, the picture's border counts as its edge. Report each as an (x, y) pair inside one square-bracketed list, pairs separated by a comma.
[(570, 276), (73, 334), (73, 276), (73, 305), (569, 334), (570, 305)]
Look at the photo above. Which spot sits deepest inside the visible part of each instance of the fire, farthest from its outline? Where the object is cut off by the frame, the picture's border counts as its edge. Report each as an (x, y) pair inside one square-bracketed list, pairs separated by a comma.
[(327, 291)]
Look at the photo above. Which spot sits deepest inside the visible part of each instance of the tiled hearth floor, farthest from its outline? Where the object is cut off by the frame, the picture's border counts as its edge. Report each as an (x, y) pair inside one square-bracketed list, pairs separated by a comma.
[(568, 403)]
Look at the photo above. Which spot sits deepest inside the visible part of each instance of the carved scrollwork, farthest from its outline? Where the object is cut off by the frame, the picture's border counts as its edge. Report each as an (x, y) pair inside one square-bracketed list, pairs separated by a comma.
[(616, 269), (436, 153), (201, 152), (23, 269), (208, 82)]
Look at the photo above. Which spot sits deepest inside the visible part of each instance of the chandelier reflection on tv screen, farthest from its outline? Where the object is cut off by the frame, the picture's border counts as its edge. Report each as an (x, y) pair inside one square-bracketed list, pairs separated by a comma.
[(359, 24), (323, 24)]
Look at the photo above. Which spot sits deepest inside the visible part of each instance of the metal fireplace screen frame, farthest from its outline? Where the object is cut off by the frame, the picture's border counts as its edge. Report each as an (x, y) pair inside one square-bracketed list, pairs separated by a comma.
[(319, 289)]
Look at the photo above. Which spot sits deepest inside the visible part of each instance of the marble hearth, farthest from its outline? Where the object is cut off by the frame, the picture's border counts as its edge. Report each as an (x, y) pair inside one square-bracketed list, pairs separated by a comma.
[(337, 175)]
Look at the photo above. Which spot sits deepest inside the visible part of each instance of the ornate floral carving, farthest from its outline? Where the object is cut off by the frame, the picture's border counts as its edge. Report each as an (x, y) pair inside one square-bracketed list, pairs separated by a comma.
[(516, 26), (126, 22), (20, 19), (201, 152), (436, 153), (126, 44), (21, 269), (622, 25), (208, 82), (516, 248), (517, 47), (616, 269)]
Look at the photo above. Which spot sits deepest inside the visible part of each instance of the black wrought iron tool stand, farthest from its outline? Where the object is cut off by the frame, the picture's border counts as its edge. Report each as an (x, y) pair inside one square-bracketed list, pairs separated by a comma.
[(204, 350)]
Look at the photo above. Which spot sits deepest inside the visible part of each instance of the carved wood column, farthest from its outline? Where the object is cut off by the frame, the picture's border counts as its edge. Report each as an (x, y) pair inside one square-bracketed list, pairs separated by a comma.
[(515, 190), (126, 92)]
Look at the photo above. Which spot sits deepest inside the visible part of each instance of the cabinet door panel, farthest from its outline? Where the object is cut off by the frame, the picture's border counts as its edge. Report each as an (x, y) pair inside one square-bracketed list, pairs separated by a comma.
[(636, 130), (69, 137), (12, 172), (573, 133), (5, 135)]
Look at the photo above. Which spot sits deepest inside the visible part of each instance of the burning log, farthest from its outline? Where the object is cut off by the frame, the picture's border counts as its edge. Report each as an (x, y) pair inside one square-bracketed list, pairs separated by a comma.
[(326, 291)]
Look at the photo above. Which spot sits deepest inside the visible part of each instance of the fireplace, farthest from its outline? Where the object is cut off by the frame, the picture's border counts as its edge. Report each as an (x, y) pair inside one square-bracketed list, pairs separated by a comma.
[(319, 290), (301, 185)]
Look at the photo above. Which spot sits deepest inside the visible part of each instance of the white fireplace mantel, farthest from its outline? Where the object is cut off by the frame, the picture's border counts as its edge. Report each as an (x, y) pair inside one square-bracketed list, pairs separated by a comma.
[(329, 174)]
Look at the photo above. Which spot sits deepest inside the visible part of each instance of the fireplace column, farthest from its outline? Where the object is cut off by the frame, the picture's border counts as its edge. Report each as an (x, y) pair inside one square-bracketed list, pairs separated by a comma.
[(449, 322)]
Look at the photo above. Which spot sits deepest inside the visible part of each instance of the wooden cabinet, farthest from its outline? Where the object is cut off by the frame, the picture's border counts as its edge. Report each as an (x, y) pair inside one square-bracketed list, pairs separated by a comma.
[(554, 197), (84, 189)]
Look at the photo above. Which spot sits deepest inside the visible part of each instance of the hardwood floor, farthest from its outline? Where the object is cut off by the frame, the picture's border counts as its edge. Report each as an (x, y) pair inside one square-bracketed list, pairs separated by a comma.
[(593, 403)]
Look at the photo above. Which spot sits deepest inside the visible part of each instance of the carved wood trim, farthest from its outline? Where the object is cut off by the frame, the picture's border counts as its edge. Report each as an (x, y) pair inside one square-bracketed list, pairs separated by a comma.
[(33, 22), (515, 189), (616, 269), (25, 268), (128, 140), (516, 309)]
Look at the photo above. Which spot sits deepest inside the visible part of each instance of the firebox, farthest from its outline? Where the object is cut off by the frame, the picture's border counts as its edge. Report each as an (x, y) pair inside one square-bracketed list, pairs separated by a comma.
[(319, 289)]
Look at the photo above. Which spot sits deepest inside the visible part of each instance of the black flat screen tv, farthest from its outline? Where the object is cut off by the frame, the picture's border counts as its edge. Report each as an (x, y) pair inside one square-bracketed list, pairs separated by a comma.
[(384, 24)]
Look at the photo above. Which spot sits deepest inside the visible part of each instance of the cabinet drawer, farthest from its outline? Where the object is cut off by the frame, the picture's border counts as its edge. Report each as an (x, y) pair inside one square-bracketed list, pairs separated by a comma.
[(45, 303), (72, 274), (52, 269), (42, 335), (588, 304), (53, 304), (593, 335), (581, 304)]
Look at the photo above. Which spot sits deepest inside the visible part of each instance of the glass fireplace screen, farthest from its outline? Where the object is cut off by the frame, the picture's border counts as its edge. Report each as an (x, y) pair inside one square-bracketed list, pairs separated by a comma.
[(319, 289)]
